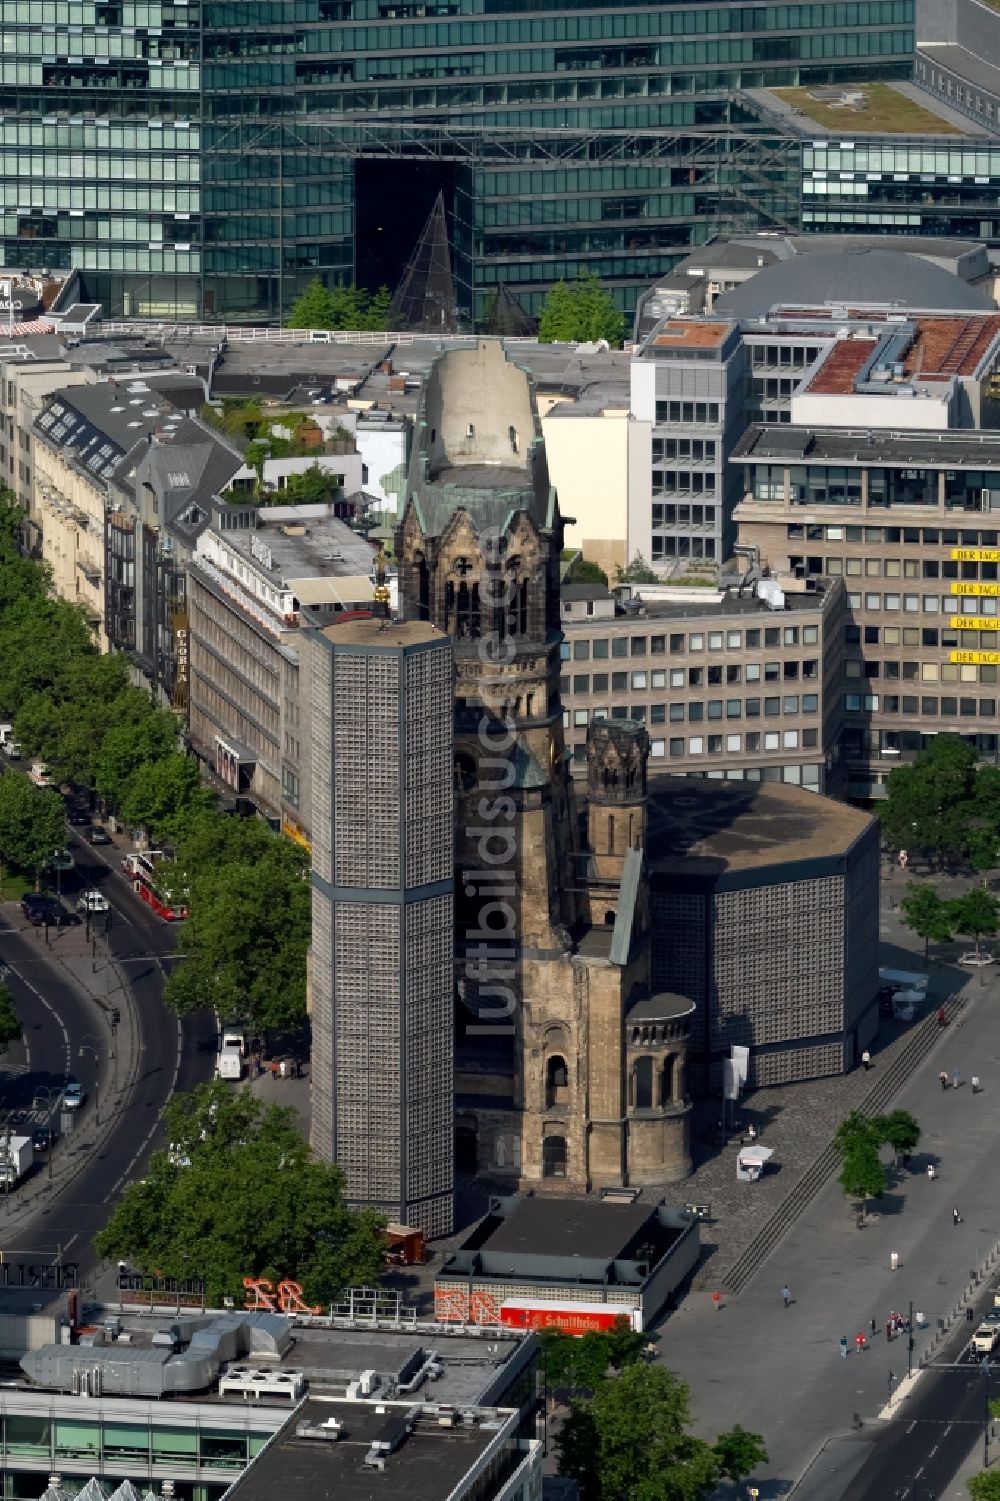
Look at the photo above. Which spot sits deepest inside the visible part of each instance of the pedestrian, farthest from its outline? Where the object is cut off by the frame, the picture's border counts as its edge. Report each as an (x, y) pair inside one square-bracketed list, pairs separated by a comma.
[(894, 1259), (866, 1059), (274, 1068), (931, 1172), (974, 1081), (786, 1296), (859, 1341), (874, 1328), (843, 1346), (956, 1218), (956, 1078), (888, 1331), (943, 1077), (122, 1268)]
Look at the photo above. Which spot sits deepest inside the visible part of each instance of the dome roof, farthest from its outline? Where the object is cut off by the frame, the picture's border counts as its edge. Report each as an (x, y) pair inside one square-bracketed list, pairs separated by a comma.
[(853, 277)]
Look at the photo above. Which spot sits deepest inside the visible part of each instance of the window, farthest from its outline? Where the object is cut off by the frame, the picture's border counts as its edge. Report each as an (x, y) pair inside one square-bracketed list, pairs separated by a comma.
[(600, 649), (619, 646), (554, 1157)]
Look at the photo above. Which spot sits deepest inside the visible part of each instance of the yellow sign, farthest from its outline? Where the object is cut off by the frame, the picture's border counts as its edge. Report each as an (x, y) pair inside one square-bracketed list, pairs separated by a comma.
[(975, 555), (975, 658), (976, 622), (977, 591)]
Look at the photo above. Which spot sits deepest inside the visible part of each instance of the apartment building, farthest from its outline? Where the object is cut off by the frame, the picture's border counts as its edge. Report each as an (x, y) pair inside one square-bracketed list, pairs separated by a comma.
[(737, 684), (253, 573)]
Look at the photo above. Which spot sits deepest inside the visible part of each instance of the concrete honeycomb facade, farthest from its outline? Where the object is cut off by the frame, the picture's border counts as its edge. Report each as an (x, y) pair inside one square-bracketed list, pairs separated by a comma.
[(383, 932)]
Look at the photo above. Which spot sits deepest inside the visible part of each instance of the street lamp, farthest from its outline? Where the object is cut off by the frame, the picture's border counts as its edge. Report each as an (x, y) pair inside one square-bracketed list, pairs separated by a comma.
[(91, 1047)]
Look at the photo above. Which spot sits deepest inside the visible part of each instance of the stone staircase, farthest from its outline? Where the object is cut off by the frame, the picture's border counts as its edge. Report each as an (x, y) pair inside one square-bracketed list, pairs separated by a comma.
[(923, 1038)]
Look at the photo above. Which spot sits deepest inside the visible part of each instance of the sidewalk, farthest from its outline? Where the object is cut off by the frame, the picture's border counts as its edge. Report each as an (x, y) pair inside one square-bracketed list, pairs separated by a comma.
[(779, 1371)]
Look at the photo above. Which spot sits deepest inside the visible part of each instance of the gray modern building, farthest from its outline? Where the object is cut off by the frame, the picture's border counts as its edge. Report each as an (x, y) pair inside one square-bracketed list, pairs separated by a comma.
[(383, 929)]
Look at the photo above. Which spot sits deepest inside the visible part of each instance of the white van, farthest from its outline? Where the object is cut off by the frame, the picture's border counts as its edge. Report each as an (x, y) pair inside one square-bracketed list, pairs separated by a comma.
[(40, 774), (6, 732)]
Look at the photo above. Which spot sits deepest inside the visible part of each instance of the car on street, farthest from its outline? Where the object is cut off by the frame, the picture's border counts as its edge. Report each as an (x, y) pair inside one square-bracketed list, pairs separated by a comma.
[(43, 910), (62, 860), (93, 901), (975, 960), (96, 835), (72, 1094), (41, 1139), (77, 818)]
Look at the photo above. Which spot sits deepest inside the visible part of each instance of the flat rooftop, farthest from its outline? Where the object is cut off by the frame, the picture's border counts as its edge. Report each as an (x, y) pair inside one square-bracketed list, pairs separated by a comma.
[(968, 65), (690, 333), (306, 542), (422, 1458), (394, 633), (701, 828), (860, 447), (568, 1228), (942, 350), (851, 109), (704, 604)]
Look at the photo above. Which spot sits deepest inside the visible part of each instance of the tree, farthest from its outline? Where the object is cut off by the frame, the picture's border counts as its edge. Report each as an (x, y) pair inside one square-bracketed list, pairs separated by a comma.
[(900, 1130), (10, 1022), (856, 1132), (250, 1202), (928, 801), (313, 309), (130, 745), (377, 310), (738, 1453), (975, 914), (926, 913), (162, 793), (581, 1364), (315, 486), (583, 571), (985, 1486), (578, 312), (32, 824), (629, 1441), (862, 1176), (636, 572), (248, 932)]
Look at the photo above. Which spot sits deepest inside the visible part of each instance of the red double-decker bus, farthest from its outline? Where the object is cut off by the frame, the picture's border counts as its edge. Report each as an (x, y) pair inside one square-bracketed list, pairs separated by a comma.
[(147, 873)]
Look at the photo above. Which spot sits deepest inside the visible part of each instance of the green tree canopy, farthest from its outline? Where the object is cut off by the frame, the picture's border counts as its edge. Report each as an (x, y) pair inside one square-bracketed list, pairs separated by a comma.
[(926, 913), (32, 822), (900, 1130), (581, 1364), (161, 794), (928, 800), (10, 1022), (580, 312), (856, 1131), (249, 1202), (630, 1442), (132, 743), (974, 914), (315, 486), (985, 1486), (636, 572), (738, 1453), (340, 307), (862, 1175), (249, 928)]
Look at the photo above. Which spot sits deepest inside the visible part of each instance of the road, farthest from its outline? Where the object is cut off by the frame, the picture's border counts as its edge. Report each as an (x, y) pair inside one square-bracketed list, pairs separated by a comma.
[(173, 1055), (917, 1455)]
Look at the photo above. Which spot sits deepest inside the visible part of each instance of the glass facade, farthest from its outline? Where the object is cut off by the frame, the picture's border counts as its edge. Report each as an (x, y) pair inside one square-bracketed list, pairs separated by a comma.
[(206, 159), (918, 187)]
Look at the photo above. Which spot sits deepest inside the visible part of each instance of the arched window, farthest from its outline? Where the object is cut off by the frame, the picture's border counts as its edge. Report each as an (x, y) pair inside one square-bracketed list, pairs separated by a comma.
[(554, 1157), (556, 1081), (642, 1084), (668, 1079)]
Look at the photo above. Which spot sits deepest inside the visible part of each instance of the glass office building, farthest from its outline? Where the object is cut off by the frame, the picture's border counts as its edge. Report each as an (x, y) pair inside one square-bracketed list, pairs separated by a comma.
[(194, 158)]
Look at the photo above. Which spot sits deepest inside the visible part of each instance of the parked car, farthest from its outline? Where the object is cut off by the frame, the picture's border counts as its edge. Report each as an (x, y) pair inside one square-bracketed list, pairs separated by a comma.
[(41, 1139), (62, 860), (42, 909), (13, 750), (93, 901), (72, 1094), (78, 818), (96, 835), (975, 960), (40, 774)]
